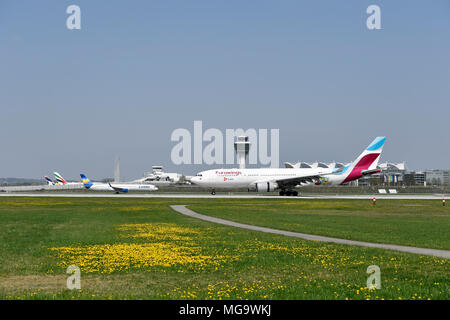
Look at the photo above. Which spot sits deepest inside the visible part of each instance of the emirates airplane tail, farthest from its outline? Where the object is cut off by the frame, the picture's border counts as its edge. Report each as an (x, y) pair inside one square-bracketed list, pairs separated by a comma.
[(59, 178)]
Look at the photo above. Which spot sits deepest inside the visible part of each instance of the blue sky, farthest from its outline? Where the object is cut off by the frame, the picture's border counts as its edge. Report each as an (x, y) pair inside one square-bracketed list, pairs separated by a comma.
[(71, 100)]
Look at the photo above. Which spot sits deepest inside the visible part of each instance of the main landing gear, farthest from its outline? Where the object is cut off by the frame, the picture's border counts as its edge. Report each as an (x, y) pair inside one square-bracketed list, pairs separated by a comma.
[(288, 193), (213, 192)]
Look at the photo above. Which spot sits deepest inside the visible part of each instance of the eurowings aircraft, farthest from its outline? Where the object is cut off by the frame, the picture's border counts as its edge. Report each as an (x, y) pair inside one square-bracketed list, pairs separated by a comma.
[(117, 188), (286, 179)]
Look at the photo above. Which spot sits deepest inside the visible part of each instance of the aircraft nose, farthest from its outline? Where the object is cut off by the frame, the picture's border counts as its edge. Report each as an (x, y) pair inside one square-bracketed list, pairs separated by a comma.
[(195, 180)]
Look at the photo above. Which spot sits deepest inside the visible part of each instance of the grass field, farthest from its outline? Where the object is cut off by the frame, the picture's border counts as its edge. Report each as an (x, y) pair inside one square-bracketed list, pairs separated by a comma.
[(420, 223), (142, 249)]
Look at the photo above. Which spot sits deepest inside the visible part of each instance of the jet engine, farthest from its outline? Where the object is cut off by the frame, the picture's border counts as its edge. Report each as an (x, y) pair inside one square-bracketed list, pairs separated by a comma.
[(265, 186)]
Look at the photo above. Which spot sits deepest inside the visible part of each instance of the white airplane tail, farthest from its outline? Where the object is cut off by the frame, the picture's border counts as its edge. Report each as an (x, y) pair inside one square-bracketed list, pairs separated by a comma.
[(49, 181), (59, 178), (366, 163)]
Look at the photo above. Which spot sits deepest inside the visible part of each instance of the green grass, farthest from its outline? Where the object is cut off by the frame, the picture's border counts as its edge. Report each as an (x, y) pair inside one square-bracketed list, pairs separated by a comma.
[(118, 240), (420, 223)]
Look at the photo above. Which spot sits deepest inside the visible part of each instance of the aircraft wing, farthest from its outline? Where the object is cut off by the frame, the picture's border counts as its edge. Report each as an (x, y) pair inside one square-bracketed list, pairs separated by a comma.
[(118, 189), (292, 182)]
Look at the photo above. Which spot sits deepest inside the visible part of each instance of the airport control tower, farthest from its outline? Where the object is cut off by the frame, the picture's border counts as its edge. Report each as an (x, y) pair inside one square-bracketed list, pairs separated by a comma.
[(117, 170), (242, 147)]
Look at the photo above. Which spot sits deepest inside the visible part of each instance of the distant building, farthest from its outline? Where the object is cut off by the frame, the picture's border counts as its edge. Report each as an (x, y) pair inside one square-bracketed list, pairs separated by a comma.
[(415, 178), (420, 177), (437, 177), (393, 173), (158, 177), (317, 164)]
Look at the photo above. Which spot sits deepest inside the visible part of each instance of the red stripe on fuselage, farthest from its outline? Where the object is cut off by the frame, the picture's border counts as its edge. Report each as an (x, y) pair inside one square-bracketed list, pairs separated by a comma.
[(363, 164)]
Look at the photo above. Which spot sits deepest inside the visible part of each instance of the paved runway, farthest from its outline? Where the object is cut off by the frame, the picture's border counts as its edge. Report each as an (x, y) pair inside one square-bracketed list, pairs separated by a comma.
[(425, 251), (218, 196)]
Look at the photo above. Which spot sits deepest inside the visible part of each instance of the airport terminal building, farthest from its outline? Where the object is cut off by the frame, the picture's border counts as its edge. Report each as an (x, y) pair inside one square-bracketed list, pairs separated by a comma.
[(397, 174), (392, 174)]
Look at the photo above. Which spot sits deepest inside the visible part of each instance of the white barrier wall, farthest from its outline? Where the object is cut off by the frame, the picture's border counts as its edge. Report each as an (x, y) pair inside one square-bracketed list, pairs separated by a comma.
[(42, 187)]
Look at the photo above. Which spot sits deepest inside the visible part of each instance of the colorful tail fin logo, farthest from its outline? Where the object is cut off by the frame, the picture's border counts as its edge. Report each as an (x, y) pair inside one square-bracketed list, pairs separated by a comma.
[(377, 144), (49, 181), (59, 178), (367, 160), (86, 182)]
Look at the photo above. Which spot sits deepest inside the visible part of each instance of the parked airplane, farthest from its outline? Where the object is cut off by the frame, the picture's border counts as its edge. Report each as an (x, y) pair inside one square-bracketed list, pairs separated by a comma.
[(115, 187), (59, 178), (49, 181), (61, 181), (286, 179)]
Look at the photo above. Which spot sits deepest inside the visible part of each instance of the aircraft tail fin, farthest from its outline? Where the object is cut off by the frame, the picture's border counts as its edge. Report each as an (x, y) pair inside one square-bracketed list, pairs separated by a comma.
[(367, 161), (86, 182), (59, 178), (49, 181)]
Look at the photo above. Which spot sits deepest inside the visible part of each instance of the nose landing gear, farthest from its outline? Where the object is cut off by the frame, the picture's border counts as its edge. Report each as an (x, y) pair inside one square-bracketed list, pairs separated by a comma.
[(213, 192)]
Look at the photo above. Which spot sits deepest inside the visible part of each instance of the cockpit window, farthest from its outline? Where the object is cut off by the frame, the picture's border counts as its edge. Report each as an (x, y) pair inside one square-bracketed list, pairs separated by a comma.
[(199, 174)]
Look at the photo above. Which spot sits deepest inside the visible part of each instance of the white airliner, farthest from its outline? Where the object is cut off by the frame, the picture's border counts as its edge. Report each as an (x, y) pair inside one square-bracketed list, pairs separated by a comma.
[(61, 181), (286, 179), (116, 187), (49, 181)]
